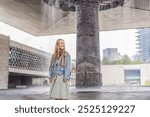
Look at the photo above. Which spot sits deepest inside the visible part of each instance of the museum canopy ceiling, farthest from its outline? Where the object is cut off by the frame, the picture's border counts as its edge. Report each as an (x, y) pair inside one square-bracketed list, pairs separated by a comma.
[(51, 17)]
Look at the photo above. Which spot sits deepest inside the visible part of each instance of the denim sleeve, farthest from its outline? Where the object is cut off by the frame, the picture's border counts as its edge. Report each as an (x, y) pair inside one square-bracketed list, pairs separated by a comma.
[(50, 70), (67, 67)]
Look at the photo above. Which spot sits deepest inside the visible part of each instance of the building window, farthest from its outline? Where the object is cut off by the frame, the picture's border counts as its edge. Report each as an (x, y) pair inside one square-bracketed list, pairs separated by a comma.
[(132, 76)]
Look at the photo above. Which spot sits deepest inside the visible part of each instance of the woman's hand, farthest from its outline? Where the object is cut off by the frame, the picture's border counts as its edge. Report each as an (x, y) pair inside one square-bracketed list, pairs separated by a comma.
[(65, 80), (50, 80)]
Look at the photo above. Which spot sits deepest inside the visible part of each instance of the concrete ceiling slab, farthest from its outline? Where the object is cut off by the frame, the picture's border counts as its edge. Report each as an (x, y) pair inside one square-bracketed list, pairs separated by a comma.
[(39, 19)]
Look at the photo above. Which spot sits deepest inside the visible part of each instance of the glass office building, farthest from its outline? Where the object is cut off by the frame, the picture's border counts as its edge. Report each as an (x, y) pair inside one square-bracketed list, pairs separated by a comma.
[(144, 44)]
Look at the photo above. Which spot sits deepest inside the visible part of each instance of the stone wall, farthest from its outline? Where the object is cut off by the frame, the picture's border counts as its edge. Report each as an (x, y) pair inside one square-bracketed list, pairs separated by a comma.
[(4, 60)]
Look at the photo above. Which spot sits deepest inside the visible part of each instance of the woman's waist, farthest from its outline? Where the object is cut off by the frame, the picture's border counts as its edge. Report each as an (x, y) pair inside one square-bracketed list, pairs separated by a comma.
[(58, 72)]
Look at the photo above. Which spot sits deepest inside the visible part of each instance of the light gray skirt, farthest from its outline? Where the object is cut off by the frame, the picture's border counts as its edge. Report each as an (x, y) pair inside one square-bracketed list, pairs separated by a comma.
[(59, 88)]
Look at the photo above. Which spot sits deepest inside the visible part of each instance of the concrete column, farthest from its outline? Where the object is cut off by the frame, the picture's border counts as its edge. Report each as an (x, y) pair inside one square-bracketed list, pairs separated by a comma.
[(4, 61), (88, 53)]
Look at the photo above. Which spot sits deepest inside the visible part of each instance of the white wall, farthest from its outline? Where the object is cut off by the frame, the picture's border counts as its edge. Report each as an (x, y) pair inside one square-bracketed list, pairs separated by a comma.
[(145, 73), (112, 74)]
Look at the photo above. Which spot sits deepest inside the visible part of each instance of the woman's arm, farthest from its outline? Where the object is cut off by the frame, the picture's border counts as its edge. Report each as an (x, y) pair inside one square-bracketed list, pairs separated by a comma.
[(67, 74), (50, 69)]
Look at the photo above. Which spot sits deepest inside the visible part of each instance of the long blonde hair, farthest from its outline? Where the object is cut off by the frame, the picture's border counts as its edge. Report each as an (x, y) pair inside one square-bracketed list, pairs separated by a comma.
[(56, 54)]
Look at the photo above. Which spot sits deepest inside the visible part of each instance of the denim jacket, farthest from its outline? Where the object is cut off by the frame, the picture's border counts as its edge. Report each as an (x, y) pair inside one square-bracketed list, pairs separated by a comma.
[(57, 69)]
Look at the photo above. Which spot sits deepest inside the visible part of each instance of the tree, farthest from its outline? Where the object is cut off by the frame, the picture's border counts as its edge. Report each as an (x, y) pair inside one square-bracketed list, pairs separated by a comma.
[(136, 62), (126, 60), (105, 61)]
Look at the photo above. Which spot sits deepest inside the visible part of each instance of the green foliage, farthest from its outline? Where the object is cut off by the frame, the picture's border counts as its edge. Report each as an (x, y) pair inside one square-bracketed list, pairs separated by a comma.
[(105, 61), (137, 62), (125, 60)]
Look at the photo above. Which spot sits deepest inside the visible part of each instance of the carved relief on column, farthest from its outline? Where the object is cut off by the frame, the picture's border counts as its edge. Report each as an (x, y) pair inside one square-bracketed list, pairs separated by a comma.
[(87, 75)]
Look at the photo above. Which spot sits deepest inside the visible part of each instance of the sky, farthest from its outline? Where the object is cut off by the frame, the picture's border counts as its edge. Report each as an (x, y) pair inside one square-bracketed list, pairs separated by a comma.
[(124, 40)]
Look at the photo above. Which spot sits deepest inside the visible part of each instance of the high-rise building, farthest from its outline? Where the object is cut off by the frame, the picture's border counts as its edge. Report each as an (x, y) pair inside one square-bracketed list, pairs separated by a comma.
[(136, 57), (143, 40), (112, 54)]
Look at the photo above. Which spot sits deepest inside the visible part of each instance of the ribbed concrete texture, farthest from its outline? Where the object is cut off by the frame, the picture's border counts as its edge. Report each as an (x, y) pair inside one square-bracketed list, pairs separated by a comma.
[(4, 55), (88, 55)]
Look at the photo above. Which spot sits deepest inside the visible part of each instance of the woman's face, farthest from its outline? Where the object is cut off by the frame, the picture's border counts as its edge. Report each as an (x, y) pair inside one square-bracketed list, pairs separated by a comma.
[(61, 44)]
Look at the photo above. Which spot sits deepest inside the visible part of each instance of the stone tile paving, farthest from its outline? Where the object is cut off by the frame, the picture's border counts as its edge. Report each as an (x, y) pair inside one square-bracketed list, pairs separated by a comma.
[(103, 93)]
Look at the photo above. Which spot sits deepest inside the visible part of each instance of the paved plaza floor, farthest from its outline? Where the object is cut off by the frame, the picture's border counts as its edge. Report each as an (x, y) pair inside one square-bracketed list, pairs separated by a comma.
[(103, 93)]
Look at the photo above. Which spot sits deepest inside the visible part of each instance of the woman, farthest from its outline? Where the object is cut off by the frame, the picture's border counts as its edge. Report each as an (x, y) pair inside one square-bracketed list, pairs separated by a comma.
[(60, 71)]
